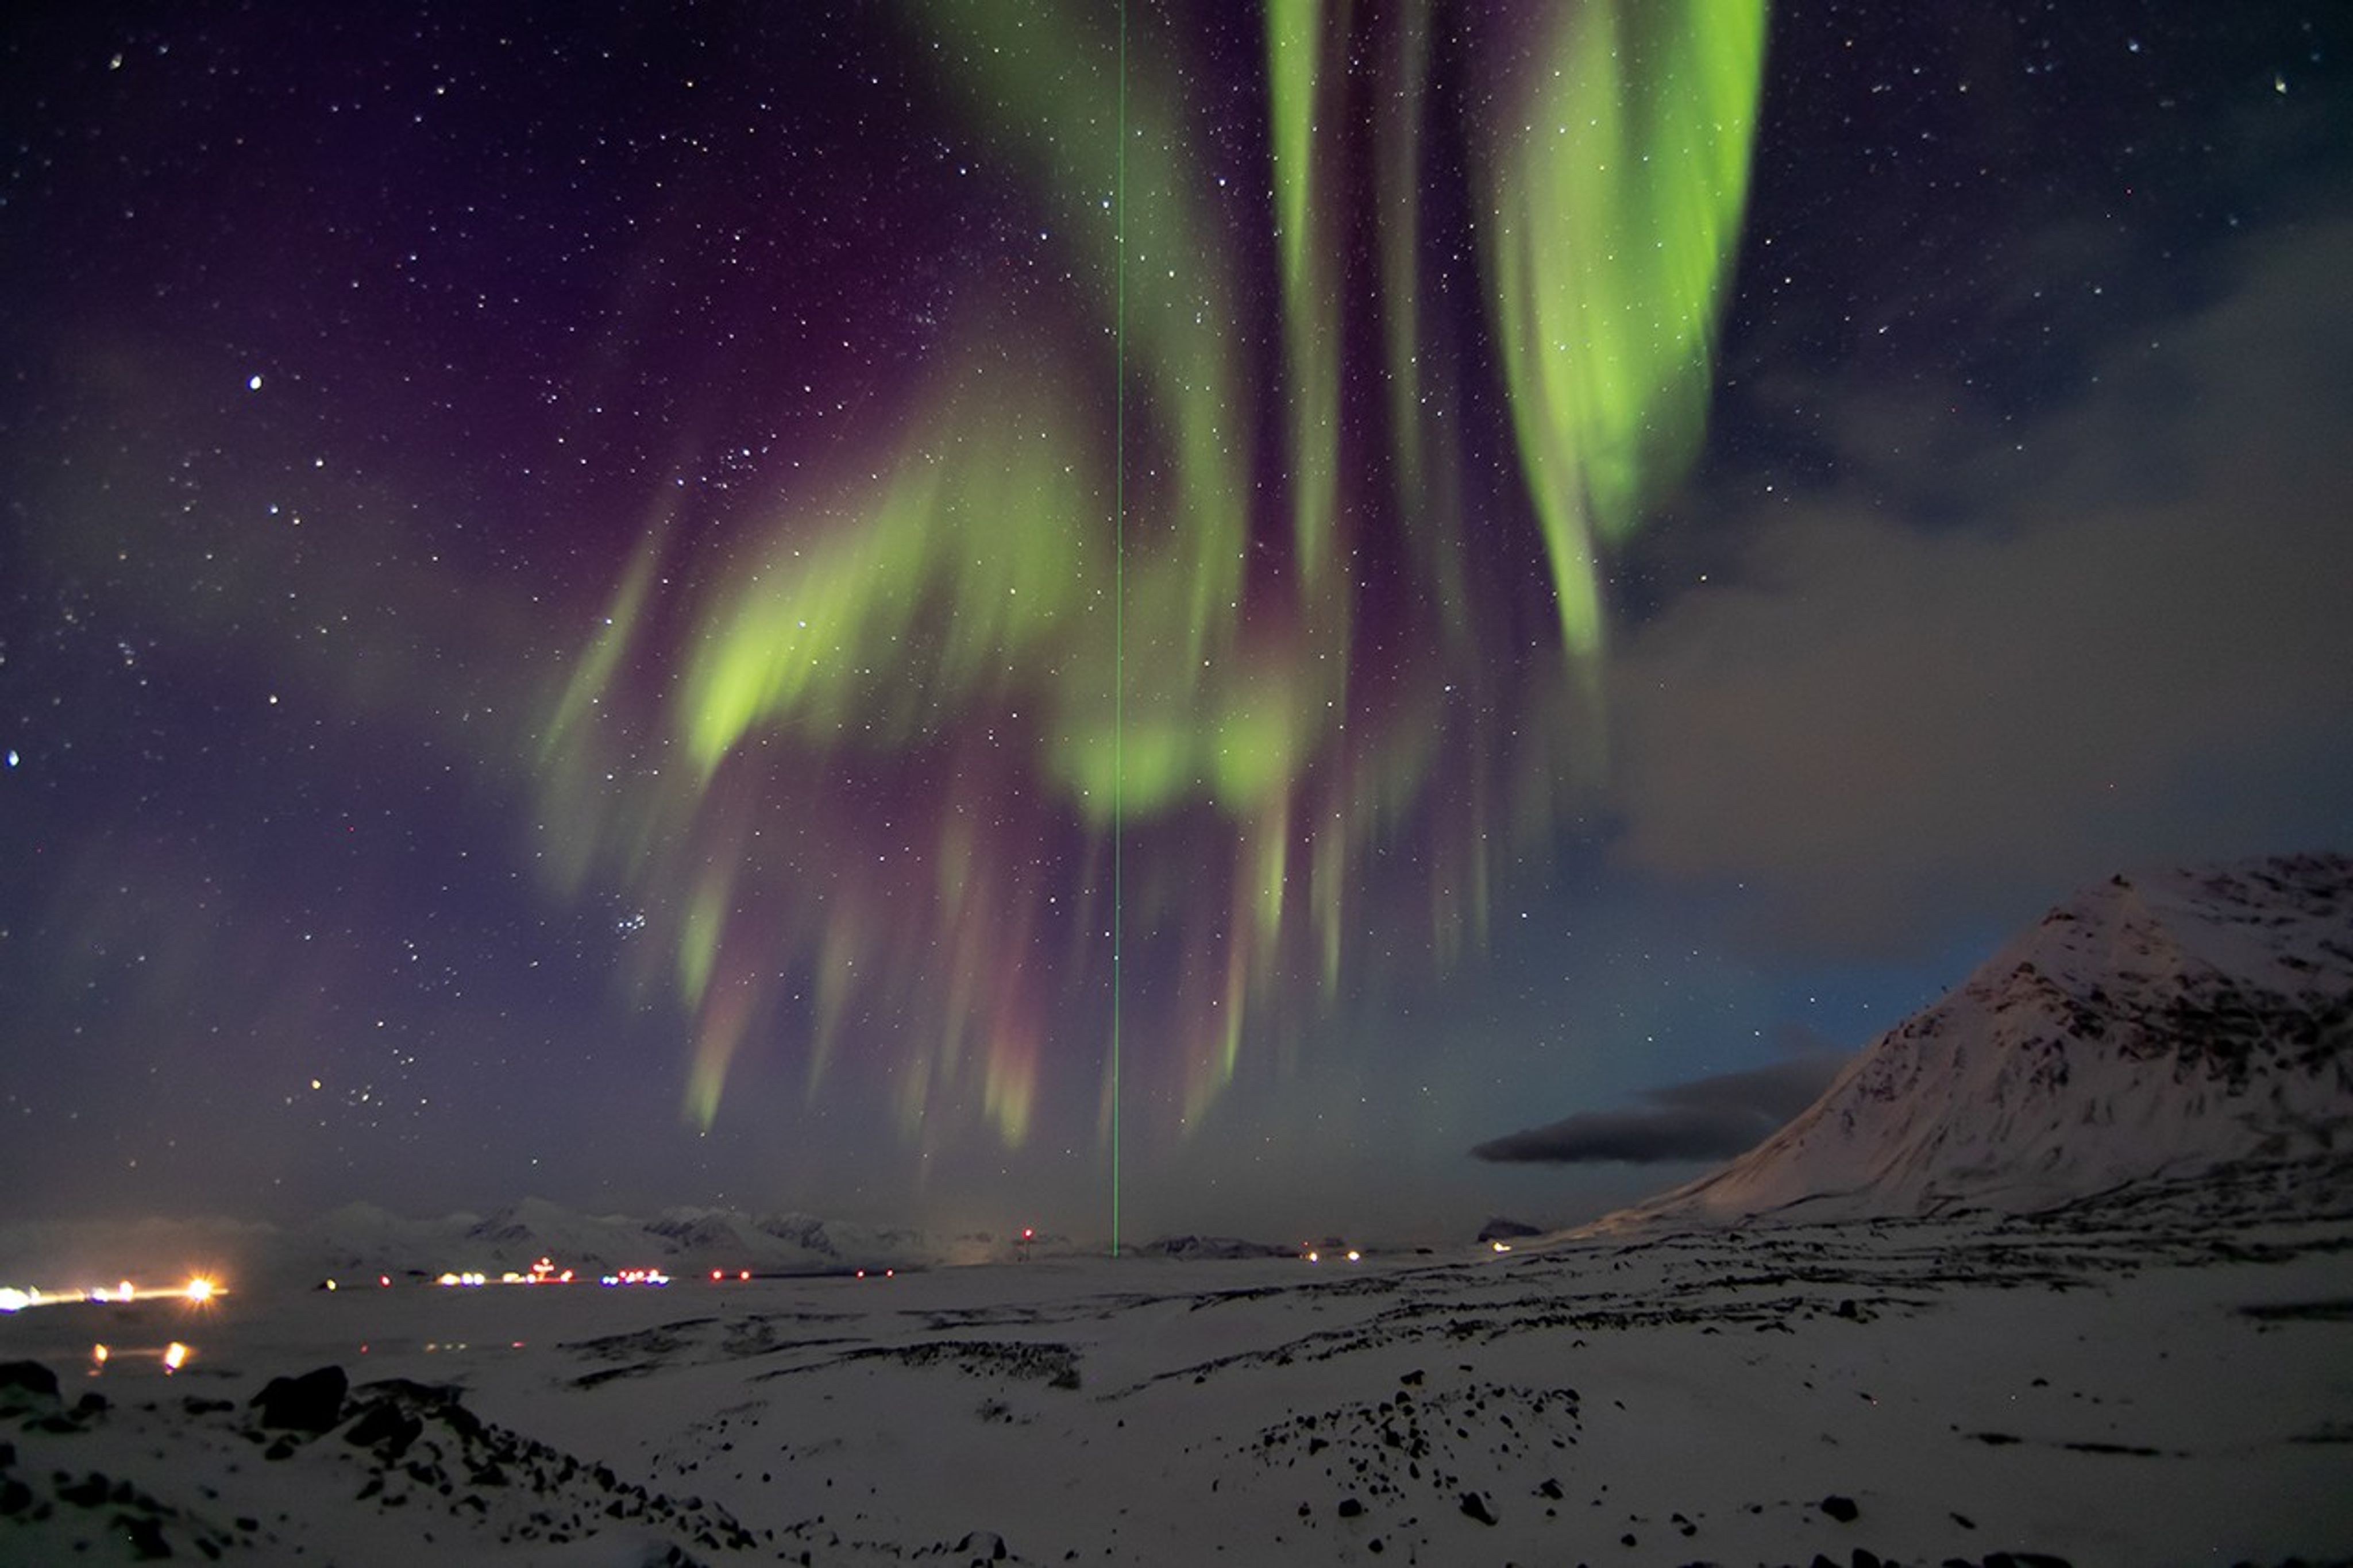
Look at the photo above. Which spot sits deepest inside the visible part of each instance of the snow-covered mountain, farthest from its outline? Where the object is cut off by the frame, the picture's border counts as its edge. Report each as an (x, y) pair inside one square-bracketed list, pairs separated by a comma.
[(2155, 1025)]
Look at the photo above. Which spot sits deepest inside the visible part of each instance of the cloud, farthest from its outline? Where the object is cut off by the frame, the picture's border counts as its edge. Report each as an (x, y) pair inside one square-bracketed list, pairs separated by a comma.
[(1707, 1119), (1985, 669)]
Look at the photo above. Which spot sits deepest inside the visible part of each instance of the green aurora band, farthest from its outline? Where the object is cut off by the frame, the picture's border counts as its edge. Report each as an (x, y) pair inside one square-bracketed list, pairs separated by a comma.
[(864, 778)]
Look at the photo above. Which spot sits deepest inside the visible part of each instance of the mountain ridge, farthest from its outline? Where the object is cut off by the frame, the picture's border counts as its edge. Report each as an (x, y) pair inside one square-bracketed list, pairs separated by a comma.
[(2153, 1025)]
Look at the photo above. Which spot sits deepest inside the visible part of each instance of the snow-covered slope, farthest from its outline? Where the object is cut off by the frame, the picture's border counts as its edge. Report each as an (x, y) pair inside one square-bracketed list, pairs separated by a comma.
[(2151, 1026), (2147, 1379)]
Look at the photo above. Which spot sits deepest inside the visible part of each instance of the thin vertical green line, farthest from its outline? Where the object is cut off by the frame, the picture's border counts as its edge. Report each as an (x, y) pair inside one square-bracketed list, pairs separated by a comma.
[(1119, 605)]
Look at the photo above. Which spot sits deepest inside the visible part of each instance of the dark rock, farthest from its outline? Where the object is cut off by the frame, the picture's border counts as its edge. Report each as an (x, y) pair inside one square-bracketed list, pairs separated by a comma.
[(1866, 1558), (91, 1404), (310, 1402), (1350, 1507), (27, 1383), (1549, 1488), (982, 1546), (385, 1427), (88, 1492), (16, 1497), (1841, 1509), (1475, 1507)]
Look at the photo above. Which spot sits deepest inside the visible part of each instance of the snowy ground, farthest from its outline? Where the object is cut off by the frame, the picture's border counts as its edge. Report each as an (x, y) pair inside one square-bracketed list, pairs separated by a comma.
[(2167, 1380)]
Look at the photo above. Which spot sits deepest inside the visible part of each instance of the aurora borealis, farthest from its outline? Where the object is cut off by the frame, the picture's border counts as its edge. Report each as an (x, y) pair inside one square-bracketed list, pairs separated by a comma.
[(1063, 656), (840, 610)]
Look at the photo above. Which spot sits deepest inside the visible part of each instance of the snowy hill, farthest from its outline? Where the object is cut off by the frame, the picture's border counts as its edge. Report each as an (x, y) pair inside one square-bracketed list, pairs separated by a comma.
[(2152, 1025)]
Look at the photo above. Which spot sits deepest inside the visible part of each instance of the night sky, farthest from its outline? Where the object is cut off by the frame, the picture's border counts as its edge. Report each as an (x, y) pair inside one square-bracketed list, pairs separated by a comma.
[(817, 607)]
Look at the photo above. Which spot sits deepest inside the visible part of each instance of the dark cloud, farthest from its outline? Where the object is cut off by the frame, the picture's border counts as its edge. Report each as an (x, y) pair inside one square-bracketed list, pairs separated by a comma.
[(2118, 636), (1707, 1119)]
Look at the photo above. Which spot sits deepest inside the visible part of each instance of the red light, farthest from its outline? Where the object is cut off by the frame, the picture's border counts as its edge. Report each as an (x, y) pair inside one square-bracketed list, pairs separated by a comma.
[(715, 1276), (743, 1274)]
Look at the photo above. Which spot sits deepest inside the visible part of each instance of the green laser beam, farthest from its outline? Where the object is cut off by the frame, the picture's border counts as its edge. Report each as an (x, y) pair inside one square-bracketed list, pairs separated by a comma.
[(1118, 598)]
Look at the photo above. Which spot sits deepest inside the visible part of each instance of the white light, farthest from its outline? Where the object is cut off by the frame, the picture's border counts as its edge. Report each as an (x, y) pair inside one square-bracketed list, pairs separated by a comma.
[(12, 1299)]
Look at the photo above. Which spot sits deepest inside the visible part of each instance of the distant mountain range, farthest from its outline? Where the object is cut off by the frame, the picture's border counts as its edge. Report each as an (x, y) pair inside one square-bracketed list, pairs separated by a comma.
[(2153, 1026), (360, 1241)]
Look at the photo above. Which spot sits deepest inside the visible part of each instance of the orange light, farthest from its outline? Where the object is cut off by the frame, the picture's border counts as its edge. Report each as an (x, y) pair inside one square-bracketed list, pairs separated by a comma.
[(200, 1289), (175, 1356)]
